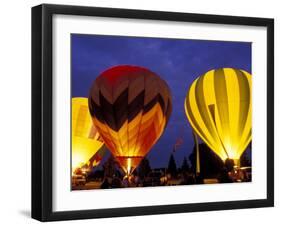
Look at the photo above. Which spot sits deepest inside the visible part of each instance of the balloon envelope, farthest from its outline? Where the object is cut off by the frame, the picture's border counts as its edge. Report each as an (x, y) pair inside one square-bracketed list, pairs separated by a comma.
[(218, 106), (96, 158), (130, 107), (86, 141)]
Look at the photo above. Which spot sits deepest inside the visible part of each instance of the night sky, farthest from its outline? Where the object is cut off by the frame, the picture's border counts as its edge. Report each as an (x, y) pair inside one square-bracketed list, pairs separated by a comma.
[(177, 61)]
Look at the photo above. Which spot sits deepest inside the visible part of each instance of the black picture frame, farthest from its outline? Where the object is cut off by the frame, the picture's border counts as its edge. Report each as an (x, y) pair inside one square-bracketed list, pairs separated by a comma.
[(42, 111)]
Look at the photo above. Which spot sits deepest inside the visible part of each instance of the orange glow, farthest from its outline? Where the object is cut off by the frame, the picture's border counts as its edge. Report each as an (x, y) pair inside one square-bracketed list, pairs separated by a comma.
[(85, 138), (130, 107)]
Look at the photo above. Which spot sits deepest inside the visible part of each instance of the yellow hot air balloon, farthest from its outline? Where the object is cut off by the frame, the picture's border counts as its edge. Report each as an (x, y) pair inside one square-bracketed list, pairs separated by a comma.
[(218, 106), (130, 107), (86, 141)]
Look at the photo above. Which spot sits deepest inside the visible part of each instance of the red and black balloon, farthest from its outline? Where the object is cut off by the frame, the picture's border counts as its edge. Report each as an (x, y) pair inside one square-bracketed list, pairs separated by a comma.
[(130, 107)]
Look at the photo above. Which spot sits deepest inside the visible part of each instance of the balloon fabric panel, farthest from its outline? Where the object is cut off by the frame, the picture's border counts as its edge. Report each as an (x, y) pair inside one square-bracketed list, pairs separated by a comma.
[(86, 140), (130, 107), (219, 108)]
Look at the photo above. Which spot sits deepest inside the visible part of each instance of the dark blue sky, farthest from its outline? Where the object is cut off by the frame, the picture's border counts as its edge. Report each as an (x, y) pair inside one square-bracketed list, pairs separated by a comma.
[(177, 61)]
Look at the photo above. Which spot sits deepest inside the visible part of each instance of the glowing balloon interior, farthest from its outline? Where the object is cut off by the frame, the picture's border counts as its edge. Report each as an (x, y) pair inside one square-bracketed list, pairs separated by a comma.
[(130, 107), (85, 139), (218, 106)]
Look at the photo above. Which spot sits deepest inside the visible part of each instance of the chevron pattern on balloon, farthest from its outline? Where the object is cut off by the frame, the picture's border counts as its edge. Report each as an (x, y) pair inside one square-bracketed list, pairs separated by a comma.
[(130, 107)]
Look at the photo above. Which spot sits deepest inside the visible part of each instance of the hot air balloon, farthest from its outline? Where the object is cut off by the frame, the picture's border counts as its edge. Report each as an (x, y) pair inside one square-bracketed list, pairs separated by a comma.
[(96, 158), (86, 141), (218, 106), (130, 107)]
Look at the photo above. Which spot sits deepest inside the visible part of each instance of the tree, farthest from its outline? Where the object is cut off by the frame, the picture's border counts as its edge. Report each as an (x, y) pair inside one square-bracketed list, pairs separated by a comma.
[(172, 167), (210, 164), (185, 166), (245, 159), (144, 168)]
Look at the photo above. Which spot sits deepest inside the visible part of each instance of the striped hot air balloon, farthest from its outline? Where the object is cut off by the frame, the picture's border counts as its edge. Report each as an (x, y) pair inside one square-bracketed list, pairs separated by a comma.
[(218, 106), (130, 107), (86, 141)]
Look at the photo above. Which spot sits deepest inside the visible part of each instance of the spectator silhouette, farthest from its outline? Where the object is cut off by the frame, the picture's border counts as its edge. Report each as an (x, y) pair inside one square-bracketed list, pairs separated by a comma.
[(116, 183), (105, 184)]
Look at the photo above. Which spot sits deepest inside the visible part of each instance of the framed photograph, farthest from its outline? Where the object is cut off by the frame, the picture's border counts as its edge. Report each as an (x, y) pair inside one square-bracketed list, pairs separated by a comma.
[(145, 112)]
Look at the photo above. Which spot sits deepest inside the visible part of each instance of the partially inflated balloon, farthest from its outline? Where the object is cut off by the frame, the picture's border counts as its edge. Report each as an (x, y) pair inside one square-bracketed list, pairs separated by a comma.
[(130, 107), (96, 158), (86, 141), (218, 106)]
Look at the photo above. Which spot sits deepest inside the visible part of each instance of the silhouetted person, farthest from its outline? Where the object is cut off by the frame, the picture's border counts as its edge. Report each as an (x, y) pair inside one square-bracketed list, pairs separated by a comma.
[(224, 176), (137, 181), (199, 179), (125, 182), (105, 184), (229, 164), (116, 183), (191, 179)]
